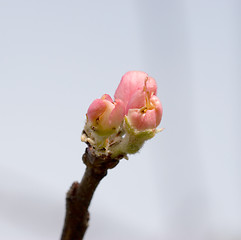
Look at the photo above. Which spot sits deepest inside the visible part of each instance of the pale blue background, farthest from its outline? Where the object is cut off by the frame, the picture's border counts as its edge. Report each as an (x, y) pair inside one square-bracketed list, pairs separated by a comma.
[(58, 56)]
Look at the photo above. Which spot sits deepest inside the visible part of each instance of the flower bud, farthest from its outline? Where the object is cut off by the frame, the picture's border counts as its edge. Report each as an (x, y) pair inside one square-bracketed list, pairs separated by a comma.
[(121, 127), (132, 82), (104, 115), (146, 117), (143, 108)]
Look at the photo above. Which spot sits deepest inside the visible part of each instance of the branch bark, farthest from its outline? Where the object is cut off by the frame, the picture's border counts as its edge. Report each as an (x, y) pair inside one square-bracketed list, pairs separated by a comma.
[(80, 194)]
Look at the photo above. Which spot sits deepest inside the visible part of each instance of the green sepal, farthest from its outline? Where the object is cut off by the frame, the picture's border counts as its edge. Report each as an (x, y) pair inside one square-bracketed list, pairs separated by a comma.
[(134, 138)]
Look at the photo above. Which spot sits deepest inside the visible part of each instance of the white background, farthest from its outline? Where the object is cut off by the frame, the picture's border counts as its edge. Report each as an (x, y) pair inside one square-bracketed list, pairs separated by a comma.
[(58, 56)]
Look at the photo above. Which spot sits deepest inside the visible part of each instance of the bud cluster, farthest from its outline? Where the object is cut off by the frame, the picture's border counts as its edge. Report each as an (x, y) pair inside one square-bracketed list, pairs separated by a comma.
[(121, 126)]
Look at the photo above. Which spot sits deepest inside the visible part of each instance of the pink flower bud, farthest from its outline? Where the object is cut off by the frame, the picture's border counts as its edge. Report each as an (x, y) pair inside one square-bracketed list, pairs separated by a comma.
[(105, 115), (137, 90), (147, 117), (133, 81)]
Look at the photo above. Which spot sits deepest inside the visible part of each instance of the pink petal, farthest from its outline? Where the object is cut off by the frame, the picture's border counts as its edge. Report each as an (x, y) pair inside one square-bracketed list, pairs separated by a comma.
[(158, 108), (138, 100), (96, 108), (134, 116), (149, 120), (142, 121), (130, 83), (117, 114), (151, 85), (107, 97), (104, 118)]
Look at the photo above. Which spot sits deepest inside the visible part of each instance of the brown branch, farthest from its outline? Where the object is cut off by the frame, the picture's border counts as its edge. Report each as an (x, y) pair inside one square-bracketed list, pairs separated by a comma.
[(80, 194)]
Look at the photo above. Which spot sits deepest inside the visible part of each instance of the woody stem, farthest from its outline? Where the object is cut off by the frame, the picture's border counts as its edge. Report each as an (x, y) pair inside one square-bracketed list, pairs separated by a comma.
[(80, 195)]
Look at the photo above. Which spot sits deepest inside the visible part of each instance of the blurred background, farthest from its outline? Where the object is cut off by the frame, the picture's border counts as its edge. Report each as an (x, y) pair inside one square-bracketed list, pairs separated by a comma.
[(56, 57)]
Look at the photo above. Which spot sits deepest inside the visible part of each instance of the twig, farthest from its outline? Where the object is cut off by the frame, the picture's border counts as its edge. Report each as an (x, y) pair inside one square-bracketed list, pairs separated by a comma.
[(80, 194)]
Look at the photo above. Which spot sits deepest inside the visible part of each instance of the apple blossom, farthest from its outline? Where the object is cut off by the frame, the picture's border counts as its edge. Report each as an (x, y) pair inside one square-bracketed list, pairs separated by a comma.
[(120, 127), (137, 90), (147, 117), (131, 82), (112, 130), (104, 115)]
